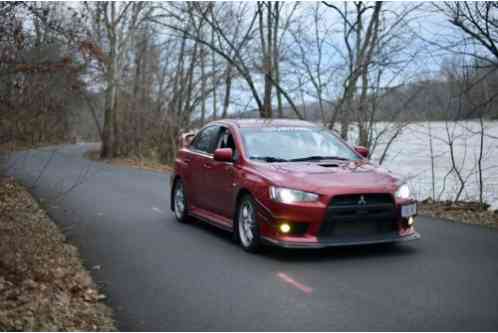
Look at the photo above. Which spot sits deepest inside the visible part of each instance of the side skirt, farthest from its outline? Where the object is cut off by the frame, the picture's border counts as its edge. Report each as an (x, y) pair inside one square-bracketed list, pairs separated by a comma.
[(211, 218)]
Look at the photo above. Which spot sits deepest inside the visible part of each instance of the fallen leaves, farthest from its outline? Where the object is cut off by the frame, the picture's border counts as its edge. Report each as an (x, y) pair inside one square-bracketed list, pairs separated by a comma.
[(43, 284), (466, 212)]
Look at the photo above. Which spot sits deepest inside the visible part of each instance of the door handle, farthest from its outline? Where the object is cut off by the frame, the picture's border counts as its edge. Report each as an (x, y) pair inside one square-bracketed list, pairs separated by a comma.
[(187, 160), (207, 166)]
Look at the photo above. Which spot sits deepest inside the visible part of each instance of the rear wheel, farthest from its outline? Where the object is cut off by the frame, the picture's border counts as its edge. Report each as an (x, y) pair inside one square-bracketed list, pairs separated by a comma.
[(247, 226), (180, 202)]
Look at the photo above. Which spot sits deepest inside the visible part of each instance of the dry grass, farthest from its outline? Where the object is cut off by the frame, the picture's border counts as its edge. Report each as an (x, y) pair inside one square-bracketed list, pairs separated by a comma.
[(144, 164), (43, 284), (465, 212)]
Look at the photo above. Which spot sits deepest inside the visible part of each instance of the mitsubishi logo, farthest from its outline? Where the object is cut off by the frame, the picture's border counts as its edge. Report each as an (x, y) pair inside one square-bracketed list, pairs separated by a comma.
[(362, 201)]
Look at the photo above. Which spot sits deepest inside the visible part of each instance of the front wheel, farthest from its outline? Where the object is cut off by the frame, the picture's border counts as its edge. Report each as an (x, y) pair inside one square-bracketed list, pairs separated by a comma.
[(180, 202), (247, 226)]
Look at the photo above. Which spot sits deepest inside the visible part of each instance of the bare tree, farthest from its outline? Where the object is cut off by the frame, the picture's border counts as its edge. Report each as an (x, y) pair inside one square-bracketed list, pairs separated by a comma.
[(311, 57), (226, 48), (478, 22), (361, 31), (110, 27)]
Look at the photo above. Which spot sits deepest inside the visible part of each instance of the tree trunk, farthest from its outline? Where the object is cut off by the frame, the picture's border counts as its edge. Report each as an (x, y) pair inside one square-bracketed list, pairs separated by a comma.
[(345, 109), (134, 109), (228, 88), (276, 59), (178, 86), (109, 118), (187, 110), (116, 149), (363, 110), (203, 84), (213, 69), (267, 100), (107, 132)]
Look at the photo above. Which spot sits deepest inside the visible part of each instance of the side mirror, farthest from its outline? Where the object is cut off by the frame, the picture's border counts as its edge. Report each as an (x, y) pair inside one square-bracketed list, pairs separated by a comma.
[(363, 151), (223, 155)]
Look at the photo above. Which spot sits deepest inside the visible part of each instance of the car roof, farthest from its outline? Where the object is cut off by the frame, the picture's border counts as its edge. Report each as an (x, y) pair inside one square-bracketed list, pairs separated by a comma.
[(255, 122)]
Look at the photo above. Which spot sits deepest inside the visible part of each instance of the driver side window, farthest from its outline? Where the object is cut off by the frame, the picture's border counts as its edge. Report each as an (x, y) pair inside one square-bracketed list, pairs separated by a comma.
[(205, 141)]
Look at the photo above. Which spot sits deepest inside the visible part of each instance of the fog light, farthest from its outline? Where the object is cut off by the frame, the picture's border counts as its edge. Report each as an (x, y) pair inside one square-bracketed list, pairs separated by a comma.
[(411, 221), (285, 228)]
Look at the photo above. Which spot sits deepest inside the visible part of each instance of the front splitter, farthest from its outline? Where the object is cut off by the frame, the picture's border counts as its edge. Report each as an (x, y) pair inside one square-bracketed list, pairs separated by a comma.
[(341, 242)]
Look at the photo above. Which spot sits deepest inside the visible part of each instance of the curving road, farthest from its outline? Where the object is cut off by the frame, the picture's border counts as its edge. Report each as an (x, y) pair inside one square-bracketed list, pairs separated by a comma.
[(161, 275)]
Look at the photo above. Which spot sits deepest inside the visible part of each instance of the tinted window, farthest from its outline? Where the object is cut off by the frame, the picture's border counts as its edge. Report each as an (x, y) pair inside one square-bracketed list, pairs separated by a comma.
[(205, 140)]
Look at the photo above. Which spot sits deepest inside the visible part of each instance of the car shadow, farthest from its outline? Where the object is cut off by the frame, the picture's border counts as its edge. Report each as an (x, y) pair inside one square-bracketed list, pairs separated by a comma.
[(338, 253), (219, 233), (385, 250)]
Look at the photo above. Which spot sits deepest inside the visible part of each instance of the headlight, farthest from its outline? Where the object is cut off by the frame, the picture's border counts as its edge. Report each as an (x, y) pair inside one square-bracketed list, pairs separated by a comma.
[(288, 196), (403, 192)]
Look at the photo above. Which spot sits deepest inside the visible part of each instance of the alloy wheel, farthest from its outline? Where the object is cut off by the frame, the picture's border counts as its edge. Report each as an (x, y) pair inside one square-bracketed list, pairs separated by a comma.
[(179, 201), (247, 224)]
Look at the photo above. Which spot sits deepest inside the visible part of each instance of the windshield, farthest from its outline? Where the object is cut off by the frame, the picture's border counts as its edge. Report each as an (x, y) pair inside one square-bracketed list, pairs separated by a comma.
[(283, 144)]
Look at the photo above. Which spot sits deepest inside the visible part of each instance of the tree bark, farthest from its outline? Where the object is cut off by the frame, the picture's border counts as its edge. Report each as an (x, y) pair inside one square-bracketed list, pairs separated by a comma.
[(228, 88), (213, 69), (276, 58), (203, 84), (266, 46), (108, 130)]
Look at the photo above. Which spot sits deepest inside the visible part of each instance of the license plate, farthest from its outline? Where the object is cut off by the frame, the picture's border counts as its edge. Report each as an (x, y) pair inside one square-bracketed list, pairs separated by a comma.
[(408, 210)]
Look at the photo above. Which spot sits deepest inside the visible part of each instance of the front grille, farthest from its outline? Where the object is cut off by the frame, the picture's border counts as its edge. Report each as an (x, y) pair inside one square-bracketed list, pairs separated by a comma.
[(370, 199), (359, 215)]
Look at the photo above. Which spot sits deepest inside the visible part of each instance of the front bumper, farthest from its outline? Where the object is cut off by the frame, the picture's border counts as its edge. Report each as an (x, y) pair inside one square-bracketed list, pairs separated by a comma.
[(386, 238)]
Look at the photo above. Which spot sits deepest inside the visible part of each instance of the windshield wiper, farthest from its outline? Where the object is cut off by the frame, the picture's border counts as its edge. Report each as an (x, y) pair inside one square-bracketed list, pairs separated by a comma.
[(268, 159), (318, 158)]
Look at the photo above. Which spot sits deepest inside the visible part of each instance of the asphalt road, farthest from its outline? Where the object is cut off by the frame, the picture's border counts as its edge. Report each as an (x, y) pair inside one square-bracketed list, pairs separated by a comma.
[(162, 275)]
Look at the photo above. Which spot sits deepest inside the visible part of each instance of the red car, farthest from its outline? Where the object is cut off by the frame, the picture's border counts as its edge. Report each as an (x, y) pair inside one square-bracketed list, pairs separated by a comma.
[(289, 183)]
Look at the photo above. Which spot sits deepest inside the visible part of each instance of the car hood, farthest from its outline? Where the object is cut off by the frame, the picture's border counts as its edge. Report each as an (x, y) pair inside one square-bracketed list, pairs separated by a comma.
[(330, 177)]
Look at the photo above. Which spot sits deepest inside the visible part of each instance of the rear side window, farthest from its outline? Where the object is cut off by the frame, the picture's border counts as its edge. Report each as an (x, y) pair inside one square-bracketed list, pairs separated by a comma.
[(206, 140)]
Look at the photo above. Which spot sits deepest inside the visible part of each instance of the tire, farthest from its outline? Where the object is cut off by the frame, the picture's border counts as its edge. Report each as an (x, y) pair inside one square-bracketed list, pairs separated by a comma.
[(180, 202), (247, 226)]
